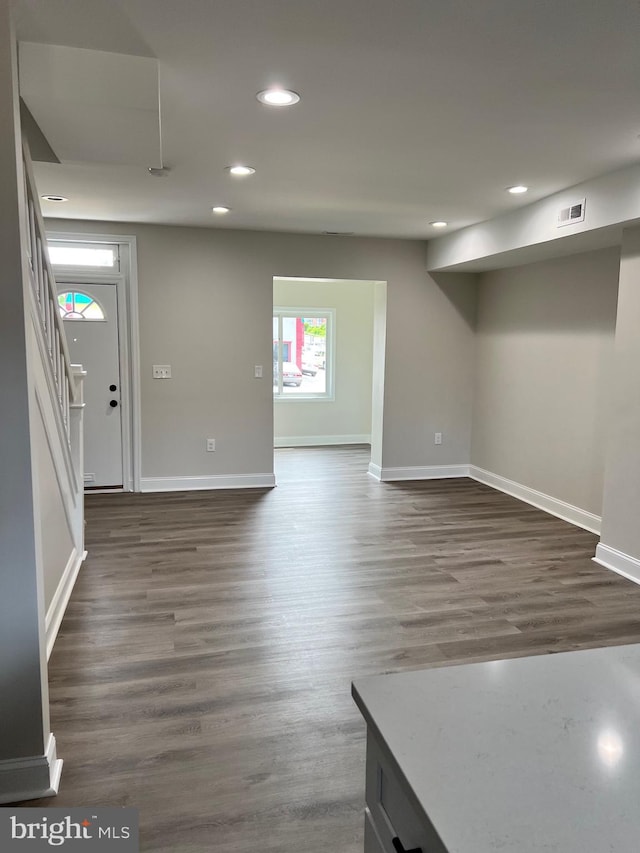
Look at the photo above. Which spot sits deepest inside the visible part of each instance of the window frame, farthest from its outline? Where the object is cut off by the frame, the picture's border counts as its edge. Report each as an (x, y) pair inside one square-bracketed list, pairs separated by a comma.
[(328, 395)]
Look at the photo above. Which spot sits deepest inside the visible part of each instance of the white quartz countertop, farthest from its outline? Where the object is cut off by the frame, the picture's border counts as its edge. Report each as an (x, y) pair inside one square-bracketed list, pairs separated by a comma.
[(533, 754)]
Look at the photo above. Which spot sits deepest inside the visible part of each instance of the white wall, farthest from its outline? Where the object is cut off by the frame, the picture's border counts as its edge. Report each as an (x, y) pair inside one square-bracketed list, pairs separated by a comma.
[(348, 415), (197, 287), (544, 349)]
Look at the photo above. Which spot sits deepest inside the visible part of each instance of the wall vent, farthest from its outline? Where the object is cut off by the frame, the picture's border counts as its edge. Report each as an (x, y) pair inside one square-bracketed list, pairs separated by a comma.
[(89, 478), (573, 213)]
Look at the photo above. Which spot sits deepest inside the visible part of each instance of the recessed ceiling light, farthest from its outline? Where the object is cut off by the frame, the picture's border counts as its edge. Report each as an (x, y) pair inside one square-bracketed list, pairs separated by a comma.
[(220, 209), (439, 223), (519, 188), (240, 171), (54, 198), (278, 97)]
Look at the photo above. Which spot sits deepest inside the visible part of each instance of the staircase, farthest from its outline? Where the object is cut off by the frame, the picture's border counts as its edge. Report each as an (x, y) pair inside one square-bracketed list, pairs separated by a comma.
[(57, 385)]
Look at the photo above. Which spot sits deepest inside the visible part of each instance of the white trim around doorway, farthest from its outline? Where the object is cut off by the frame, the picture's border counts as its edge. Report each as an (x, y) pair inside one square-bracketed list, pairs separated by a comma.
[(126, 281)]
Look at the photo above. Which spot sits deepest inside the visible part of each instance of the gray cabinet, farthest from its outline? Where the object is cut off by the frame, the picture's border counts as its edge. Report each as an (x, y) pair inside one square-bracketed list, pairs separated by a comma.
[(391, 810)]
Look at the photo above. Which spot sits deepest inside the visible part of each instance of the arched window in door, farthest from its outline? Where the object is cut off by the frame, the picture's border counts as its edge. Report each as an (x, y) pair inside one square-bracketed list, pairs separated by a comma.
[(75, 305)]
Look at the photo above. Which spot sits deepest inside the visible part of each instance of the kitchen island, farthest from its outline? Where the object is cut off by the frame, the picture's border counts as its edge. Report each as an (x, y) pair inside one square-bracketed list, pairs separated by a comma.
[(531, 754)]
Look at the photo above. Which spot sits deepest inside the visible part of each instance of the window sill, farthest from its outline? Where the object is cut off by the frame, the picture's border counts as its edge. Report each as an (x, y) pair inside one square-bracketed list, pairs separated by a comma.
[(305, 398)]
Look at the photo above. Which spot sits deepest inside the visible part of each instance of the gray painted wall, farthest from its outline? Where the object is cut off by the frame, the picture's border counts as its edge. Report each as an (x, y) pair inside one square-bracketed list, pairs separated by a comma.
[(544, 349), (350, 412), (202, 289)]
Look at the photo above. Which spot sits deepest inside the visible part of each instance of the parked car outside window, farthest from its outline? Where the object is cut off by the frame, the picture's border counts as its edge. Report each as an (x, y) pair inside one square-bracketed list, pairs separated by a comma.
[(291, 374)]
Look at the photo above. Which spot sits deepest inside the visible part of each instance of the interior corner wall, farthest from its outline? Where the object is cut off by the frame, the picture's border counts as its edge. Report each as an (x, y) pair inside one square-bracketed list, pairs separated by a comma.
[(348, 415), (545, 340), (205, 304), (620, 528)]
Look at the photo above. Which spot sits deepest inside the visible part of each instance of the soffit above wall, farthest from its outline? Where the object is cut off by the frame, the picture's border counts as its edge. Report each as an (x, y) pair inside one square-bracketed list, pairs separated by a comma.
[(92, 106), (574, 244), (611, 203)]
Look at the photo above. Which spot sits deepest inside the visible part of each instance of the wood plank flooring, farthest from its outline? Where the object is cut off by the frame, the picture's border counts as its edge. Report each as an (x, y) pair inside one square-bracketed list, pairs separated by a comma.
[(202, 671)]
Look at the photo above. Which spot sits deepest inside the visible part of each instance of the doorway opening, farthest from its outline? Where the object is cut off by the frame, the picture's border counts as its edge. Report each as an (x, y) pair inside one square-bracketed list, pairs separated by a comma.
[(96, 277), (328, 363)]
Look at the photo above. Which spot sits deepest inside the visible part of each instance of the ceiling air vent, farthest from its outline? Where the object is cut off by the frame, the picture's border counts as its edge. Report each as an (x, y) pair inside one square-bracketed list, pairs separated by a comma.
[(338, 233), (573, 213)]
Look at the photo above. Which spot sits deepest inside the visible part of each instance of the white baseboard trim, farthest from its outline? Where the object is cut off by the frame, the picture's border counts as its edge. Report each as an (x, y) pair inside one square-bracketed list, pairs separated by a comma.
[(31, 778), (217, 481), (319, 440), (423, 472), (554, 506), (375, 471), (619, 562), (61, 598)]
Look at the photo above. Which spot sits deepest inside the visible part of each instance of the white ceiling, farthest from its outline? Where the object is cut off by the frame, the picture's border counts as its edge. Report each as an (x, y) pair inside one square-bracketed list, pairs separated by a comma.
[(411, 110)]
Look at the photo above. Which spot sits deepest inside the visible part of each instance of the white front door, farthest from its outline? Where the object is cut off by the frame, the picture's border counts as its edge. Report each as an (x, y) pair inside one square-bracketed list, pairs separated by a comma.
[(91, 324)]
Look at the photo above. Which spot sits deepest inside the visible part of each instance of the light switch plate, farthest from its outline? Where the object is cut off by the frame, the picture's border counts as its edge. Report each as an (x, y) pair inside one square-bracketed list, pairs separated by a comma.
[(257, 371), (162, 371)]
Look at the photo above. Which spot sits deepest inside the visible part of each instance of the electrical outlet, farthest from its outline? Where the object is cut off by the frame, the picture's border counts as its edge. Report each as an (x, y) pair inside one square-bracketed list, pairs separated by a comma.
[(162, 371), (211, 444), (437, 439)]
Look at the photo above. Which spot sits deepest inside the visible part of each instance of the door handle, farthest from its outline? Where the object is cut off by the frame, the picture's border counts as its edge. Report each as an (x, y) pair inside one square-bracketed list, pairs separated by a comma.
[(113, 403), (398, 845)]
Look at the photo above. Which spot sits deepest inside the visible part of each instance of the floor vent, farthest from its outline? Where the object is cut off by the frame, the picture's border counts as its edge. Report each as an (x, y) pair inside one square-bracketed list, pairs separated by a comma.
[(572, 213)]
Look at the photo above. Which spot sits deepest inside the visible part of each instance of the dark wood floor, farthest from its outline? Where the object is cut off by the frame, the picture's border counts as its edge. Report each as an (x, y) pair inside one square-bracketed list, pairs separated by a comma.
[(203, 668)]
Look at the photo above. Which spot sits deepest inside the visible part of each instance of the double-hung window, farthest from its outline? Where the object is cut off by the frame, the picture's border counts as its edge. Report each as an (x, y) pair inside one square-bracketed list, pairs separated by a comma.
[(303, 342)]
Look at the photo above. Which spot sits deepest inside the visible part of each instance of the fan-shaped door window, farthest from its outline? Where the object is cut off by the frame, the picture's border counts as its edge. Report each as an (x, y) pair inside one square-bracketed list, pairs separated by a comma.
[(75, 305)]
